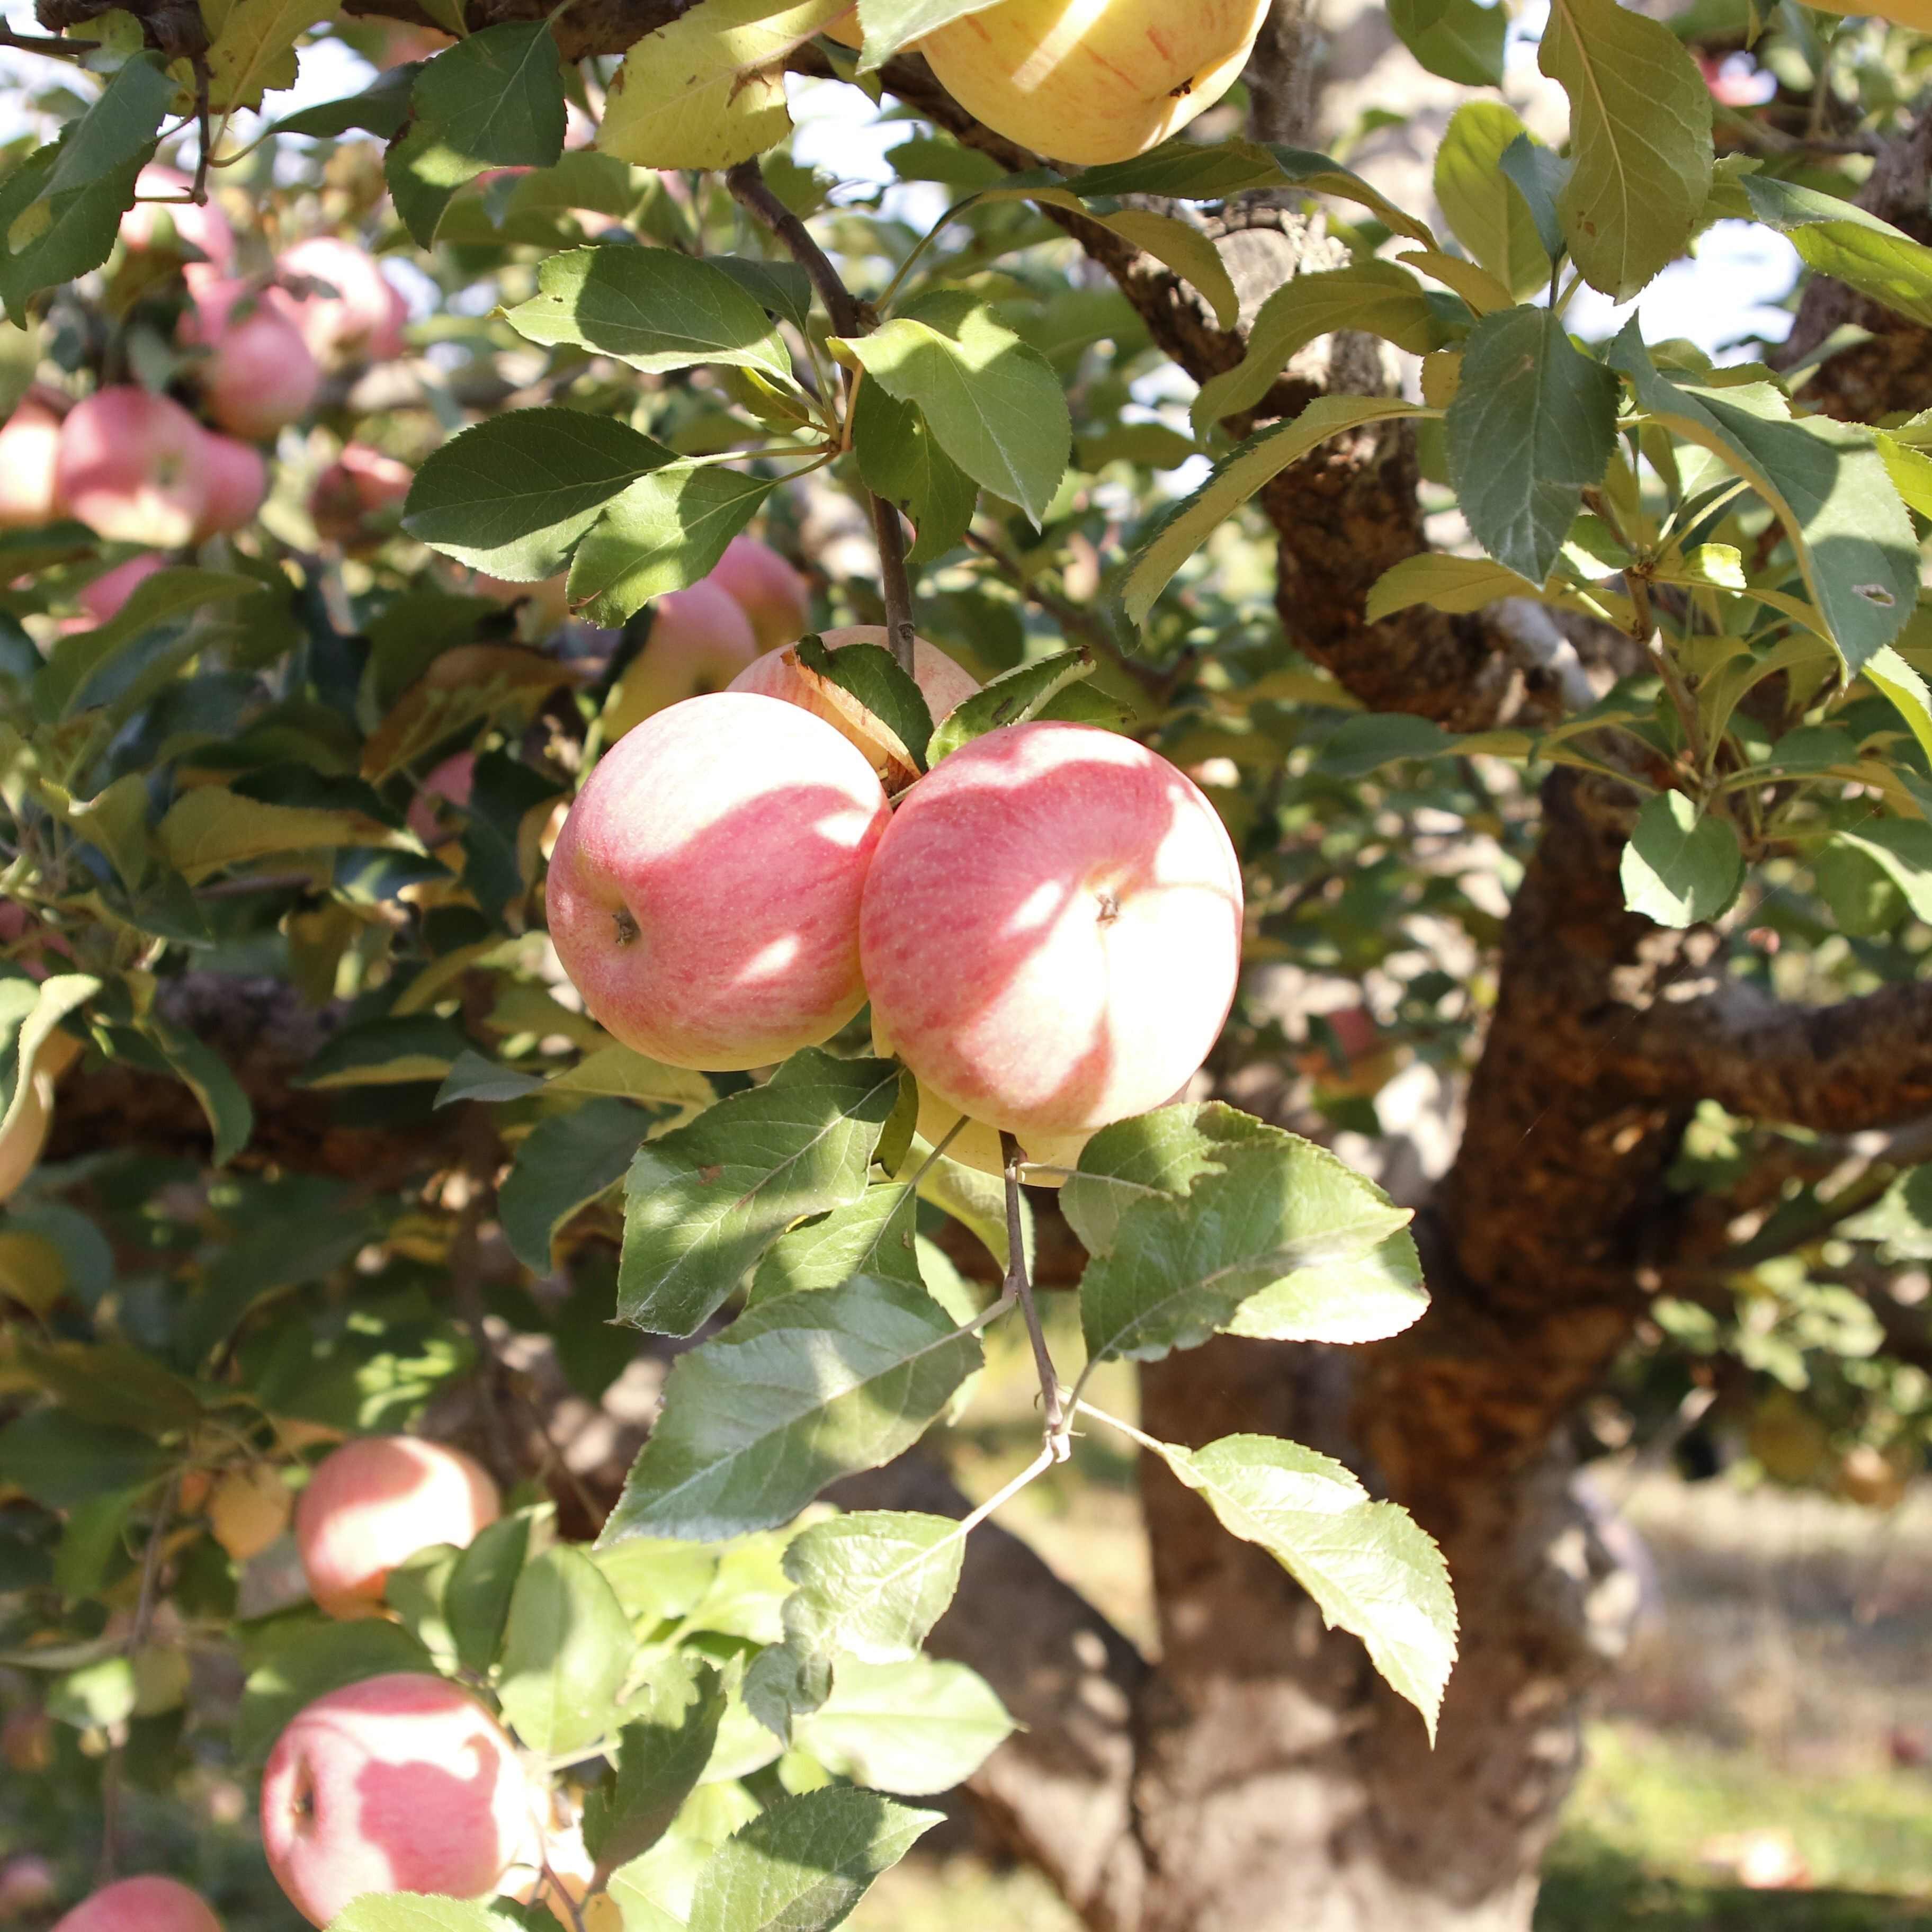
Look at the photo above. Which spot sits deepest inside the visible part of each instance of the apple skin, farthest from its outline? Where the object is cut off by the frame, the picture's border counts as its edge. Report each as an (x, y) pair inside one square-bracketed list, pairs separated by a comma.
[(703, 894), (238, 486), (766, 589), (455, 779), (141, 1905), (258, 375), (130, 467), (362, 322), (402, 1783), (701, 639), (976, 1145), (1052, 929), (201, 225), (102, 599), (943, 684), (1091, 81), (374, 1503), (29, 456), (360, 484)]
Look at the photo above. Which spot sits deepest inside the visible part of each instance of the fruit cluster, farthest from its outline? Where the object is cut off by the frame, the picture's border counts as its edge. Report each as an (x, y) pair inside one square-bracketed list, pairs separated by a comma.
[(137, 467), (1047, 924)]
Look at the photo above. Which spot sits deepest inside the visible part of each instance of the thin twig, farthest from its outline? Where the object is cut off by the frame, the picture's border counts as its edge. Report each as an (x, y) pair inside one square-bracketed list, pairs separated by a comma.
[(850, 317), (36, 44), (1020, 1286), (1644, 629)]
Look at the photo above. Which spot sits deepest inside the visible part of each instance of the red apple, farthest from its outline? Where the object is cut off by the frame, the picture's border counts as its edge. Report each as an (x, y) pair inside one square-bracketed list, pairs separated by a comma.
[(103, 599), (238, 486), (29, 452), (362, 321), (766, 589), (258, 374), (1052, 929), (780, 674), (701, 639), (360, 484), (398, 1783), (375, 1502), (130, 466), (703, 894), (142, 1905), (165, 191)]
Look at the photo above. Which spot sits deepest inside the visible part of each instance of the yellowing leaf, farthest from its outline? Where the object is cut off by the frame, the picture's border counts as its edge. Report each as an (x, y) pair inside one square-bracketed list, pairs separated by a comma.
[(252, 46), (708, 91), (461, 687), (214, 827)]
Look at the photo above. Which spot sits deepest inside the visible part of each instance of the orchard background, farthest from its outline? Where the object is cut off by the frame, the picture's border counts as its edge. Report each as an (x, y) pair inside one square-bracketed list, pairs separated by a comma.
[(374, 466)]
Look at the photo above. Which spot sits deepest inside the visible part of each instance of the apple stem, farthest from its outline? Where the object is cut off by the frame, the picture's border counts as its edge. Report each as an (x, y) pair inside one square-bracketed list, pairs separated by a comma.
[(1019, 1286), (850, 317)]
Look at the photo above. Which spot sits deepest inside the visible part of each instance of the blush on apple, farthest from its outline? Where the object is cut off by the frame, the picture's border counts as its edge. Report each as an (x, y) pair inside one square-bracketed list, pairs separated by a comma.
[(361, 320), (402, 1783), (1052, 929), (164, 192), (130, 466), (703, 893), (375, 1502), (701, 639), (141, 1905), (238, 486), (258, 376), (103, 599), (766, 589), (358, 485)]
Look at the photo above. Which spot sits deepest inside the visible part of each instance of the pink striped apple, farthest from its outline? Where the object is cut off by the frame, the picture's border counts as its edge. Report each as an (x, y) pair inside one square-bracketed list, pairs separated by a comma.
[(701, 639), (402, 1783), (703, 895), (258, 375), (238, 486), (1052, 929), (766, 589), (358, 317)]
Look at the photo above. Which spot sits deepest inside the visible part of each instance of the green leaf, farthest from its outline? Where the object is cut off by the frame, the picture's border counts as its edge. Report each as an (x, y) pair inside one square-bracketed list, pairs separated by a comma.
[(1488, 212), (497, 96), (1371, 1570), (567, 1650), (892, 26), (64, 203), (1640, 136), (706, 1201), (666, 1742), (30, 1016), (1452, 583), (651, 307), (1678, 869), (229, 1113), (803, 1865), (72, 662), (1378, 297), (627, 1075), (1366, 1298), (564, 1165), (1162, 1152), (414, 1590), (871, 674), (1902, 850), (1899, 1221), (900, 459), (916, 1727), (1012, 698), (798, 1391), (873, 1235), (1842, 240), (1184, 248), (472, 1077), (60, 1460), (995, 405), (1907, 690), (476, 1599), (1532, 427), (664, 532), (1462, 41), (512, 495), (1825, 481), (1268, 1209), (387, 1052), (111, 1386), (1178, 532), (294, 1659), (870, 1584), (381, 108), (1540, 177)]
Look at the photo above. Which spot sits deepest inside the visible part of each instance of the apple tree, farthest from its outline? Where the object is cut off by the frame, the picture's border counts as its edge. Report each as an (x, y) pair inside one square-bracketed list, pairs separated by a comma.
[(644, 778)]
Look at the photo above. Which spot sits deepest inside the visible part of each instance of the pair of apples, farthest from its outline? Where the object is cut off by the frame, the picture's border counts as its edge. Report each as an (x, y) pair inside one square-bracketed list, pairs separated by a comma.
[(1047, 924)]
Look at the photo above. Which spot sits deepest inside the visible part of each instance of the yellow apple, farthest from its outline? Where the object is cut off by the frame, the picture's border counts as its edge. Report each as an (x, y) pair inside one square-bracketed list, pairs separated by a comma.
[(1090, 81)]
